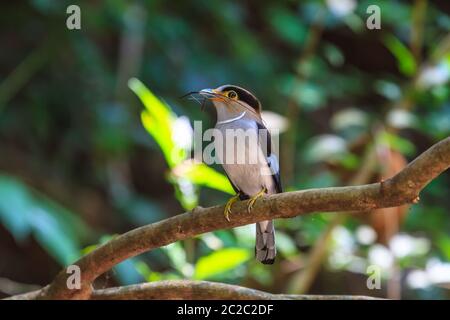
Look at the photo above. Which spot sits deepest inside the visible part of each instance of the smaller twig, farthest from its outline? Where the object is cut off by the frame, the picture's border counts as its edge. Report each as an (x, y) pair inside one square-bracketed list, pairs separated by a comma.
[(11, 287)]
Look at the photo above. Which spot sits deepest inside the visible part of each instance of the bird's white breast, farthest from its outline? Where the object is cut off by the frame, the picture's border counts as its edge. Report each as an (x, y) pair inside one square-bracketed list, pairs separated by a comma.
[(242, 159)]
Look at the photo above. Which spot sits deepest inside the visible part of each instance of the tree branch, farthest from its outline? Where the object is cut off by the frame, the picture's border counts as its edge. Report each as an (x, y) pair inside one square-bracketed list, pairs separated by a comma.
[(202, 290), (193, 290), (401, 189)]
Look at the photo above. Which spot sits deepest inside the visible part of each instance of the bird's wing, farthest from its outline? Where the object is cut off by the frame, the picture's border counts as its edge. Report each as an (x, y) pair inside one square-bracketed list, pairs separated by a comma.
[(271, 158), (236, 189)]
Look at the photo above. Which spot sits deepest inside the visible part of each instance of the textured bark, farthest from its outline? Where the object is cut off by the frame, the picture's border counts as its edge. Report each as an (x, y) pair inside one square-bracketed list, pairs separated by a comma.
[(194, 290), (202, 290), (401, 189)]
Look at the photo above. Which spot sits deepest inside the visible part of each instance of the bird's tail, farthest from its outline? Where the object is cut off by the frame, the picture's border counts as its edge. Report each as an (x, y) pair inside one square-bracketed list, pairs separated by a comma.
[(265, 249)]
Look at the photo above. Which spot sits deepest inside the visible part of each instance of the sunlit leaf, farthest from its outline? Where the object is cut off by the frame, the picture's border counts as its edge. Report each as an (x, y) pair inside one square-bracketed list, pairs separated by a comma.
[(155, 276), (219, 262), (443, 243), (405, 59), (186, 194), (103, 239), (158, 119), (202, 175), (89, 249), (143, 269), (160, 135)]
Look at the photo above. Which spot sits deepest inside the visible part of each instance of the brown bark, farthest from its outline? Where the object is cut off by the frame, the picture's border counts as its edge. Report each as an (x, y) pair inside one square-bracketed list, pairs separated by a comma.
[(202, 290)]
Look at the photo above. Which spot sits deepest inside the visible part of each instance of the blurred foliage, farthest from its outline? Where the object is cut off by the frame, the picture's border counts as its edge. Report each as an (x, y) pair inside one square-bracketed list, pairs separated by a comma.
[(81, 158), (24, 212)]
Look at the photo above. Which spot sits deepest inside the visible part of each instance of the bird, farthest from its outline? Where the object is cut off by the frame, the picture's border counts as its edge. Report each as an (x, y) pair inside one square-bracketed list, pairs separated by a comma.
[(251, 178)]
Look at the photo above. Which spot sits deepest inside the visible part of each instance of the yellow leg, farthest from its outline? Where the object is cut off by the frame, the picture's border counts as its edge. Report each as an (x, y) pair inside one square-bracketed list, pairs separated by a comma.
[(230, 202), (253, 199)]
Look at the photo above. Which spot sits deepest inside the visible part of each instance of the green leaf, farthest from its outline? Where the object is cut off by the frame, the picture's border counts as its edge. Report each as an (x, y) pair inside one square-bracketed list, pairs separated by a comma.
[(158, 120), (405, 59), (220, 262), (288, 26), (202, 175), (143, 269), (349, 161), (15, 206), (49, 232), (26, 212), (398, 143), (443, 242)]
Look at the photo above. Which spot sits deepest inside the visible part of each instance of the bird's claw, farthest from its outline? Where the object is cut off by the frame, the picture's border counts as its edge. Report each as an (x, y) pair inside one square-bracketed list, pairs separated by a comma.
[(227, 210), (253, 199)]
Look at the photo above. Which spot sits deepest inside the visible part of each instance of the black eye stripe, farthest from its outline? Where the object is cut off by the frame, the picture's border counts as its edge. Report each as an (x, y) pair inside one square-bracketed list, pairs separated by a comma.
[(244, 96)]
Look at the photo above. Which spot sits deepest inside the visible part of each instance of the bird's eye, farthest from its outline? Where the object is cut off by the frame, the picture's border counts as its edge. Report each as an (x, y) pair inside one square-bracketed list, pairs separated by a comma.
[(232, 94)]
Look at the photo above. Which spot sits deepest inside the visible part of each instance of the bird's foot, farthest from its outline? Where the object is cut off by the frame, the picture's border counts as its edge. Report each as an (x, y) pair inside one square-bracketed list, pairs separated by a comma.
[(230, 202), (253, 199)]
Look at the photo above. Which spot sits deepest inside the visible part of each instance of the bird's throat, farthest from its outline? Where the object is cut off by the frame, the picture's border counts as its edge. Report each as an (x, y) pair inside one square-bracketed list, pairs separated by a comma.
[(232, 119)]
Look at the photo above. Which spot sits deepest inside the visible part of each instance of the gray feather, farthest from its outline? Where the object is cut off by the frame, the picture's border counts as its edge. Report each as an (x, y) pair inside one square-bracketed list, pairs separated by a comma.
[(265, 249)]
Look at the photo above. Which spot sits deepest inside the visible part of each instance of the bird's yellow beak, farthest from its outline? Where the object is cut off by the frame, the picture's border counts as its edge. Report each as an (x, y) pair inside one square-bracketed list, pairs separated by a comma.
[(212, 94)]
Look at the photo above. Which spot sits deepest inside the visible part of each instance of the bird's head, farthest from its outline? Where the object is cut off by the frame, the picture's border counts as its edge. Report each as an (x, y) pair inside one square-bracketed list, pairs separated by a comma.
[(232, 99)]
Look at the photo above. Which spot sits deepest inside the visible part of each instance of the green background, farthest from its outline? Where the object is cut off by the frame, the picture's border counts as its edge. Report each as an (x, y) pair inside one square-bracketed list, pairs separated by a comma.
[(86, 153)]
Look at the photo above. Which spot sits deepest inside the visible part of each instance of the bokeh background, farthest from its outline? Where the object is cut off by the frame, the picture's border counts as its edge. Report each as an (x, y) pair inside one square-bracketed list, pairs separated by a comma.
[(86, 153)]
